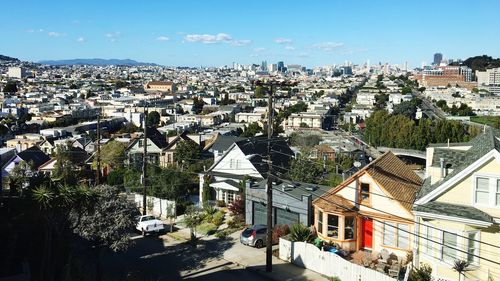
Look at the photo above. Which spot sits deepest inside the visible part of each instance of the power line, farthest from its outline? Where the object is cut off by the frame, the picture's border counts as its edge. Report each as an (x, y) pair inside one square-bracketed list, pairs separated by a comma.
[(404, 230)]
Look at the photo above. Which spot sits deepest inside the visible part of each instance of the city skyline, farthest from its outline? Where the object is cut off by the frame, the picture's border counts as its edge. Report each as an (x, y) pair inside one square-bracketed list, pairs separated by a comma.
[(214, 34)]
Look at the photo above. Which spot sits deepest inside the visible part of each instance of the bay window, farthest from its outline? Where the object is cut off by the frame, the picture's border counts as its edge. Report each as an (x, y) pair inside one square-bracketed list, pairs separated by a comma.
[(333, 226)]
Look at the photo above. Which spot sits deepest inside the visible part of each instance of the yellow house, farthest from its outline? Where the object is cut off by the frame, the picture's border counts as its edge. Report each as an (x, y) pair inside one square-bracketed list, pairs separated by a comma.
[(371, 210), (458, 209)]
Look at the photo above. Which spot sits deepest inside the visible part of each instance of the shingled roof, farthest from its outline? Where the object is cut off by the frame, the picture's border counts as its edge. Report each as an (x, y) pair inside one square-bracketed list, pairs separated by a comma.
[(459, 160), (392, 174)]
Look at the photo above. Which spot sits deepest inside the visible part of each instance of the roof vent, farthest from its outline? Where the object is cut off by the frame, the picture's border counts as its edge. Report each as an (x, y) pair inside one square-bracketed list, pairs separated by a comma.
[(311, 188)]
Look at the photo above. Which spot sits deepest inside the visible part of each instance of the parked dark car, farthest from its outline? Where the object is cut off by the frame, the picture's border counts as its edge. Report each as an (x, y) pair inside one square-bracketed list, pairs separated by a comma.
[(254, 236)]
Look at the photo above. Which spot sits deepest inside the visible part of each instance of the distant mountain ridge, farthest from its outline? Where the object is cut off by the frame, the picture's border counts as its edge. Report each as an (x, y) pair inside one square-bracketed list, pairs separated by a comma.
[(6, 58), (480, 63), (96, 61)]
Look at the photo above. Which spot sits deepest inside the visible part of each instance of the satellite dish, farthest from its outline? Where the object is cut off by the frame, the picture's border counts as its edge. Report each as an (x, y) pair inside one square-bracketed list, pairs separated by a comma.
[(357, 164)]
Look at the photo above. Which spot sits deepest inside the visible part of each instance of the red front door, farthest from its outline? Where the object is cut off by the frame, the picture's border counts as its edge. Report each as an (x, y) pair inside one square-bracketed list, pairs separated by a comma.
[(367, 233)]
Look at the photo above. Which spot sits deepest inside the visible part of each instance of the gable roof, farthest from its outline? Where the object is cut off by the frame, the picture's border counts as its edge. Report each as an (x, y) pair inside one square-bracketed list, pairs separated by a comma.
[(391, 174), (257, 149), (223, 143), (34, 155), (461, 160)]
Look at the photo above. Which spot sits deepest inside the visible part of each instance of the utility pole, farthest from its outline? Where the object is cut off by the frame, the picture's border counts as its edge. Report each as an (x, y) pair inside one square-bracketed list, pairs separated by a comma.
[(98, 152), (144, 159), (269, 234)]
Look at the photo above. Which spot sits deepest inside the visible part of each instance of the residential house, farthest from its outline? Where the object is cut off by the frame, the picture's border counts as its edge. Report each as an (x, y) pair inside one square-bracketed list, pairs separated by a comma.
[(372, 209), (155, 142), (244, 159), (458, 209), (292, 202), (167, 157), (32, 156)]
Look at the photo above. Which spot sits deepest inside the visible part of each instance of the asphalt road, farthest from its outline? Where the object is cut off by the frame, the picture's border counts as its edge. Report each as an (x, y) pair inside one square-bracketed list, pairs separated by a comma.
[(163, 258)]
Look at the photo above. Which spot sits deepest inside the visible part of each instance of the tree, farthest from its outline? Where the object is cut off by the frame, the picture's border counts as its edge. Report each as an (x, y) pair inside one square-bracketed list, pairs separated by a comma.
[(65, 169), (57, 204), (260, 91), (303, 170), (113, 154), (406, 108), (251, 130), (153, 119), (207, 189), (129, 128), (187, 151), (107, 223), (192, 219), (121, 84), (303, 125), (406, 90), (10, 87)]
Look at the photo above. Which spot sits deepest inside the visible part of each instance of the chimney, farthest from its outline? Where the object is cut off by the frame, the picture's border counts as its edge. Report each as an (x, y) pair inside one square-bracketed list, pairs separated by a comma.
[(443, 171)]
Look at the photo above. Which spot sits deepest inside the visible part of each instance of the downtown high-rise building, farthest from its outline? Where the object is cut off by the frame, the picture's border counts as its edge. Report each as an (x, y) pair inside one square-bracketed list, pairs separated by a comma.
[(438, 58)]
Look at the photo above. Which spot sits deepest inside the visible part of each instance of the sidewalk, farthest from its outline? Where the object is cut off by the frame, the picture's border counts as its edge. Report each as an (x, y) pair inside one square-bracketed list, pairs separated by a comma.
[(254, 259)]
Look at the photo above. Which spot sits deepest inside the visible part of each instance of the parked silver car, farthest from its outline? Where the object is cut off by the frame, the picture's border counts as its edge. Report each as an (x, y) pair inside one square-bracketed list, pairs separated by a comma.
[(254, 236)]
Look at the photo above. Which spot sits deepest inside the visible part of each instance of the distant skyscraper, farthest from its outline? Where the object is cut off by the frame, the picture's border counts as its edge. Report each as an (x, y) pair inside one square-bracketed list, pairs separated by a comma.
[(264, 66), (281, 66), (438, 57)]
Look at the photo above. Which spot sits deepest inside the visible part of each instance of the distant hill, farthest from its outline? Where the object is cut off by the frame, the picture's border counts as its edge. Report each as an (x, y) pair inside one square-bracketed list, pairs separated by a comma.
[(6, 58), (103, 62), (481, 62)]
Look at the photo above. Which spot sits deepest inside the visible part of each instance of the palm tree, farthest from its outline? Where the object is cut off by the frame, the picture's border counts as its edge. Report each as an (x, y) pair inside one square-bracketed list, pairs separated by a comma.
[(460, 266)]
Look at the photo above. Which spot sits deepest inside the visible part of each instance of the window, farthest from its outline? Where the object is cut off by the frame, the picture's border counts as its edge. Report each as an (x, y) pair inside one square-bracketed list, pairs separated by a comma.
[(449, 252), (403, 236), (333, 226), (473, 247), (427, 239), (482, 190), (140, 143), (349, 228), (389, 234), (320, 221), (497, 194), (234, 164), (365, 191), (397, 235), (230, 197)]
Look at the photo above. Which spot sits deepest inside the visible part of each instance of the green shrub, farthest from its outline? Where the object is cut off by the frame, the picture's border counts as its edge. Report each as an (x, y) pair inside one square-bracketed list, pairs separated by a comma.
[(300, 233), (335, 278), (423, 273), (318, 242), (222, 234), (218, 218), (220, 203)]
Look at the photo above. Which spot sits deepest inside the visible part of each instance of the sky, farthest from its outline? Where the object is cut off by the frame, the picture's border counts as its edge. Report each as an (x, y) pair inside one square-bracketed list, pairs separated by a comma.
[(220, 32)]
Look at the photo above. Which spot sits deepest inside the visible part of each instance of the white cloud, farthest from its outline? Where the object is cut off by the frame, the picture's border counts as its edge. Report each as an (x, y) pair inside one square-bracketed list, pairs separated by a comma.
[(54, 34), (290, 48), (303, 55), (113, 36), (208, 38), (162, 38), (282, 40), (327, 46), (29, 30), (243, 42), (258, 50), (80, 40)]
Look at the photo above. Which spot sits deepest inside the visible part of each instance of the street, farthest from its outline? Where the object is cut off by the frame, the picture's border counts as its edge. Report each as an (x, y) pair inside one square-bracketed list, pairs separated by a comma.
[(164, 258)]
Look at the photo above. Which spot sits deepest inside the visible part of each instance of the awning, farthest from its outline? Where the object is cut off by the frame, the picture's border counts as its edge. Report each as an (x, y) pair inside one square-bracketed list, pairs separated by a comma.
[(227, 185)]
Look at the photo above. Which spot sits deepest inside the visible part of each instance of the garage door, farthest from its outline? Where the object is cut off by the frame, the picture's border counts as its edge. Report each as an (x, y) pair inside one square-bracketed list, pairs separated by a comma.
[(286, 217), (259, 213)]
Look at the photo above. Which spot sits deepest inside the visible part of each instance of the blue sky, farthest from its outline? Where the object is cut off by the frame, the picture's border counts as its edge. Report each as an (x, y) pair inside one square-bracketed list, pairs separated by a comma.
[(215, 33)]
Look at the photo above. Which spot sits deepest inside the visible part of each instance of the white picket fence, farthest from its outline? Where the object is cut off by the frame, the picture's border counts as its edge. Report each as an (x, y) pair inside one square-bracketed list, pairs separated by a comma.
[(309, 256), (159, 206)]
